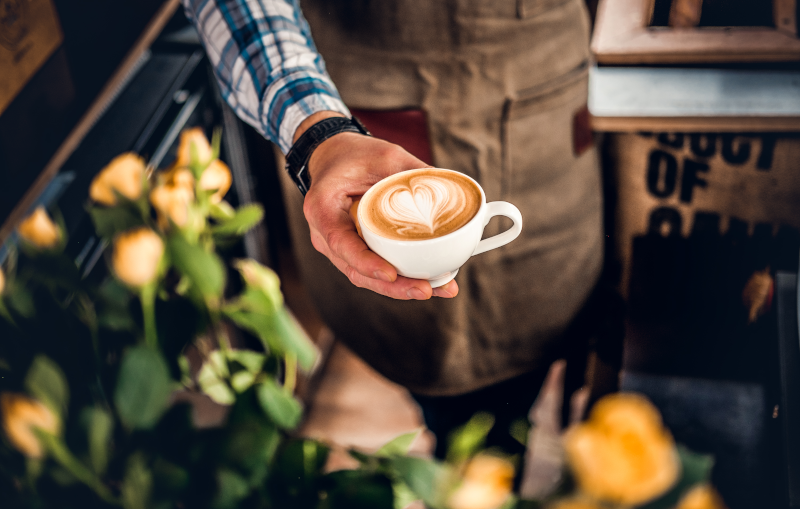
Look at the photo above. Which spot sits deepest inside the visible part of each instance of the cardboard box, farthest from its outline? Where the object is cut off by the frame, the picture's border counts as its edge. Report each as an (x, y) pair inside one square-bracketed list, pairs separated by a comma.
[(29, 33)]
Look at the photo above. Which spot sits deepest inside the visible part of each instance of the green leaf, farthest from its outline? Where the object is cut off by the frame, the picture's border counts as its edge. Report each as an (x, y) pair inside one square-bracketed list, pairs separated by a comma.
[(46, 382), (400, 445), (403, 496), (282, 408), (520, 429), (138, 483), (243, 220), (212, 379), (204, 269), (250, 439), (356, 489), (101, 424), (279, 333), (293, 339), (695, 469), (231, 489), (250, 360), (221, 211), (143, 387), (169, 477), (186, 372), (20, 300), (242, 380), (108, 221), (425, 477), (113, 306), (466, 440)]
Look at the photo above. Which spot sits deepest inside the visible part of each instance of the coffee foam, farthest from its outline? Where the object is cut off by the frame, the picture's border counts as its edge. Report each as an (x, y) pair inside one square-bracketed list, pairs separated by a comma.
[(421, 204)]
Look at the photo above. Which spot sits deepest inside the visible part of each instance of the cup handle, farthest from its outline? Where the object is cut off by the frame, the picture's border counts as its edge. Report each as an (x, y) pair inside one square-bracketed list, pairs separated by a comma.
[(500, 208)]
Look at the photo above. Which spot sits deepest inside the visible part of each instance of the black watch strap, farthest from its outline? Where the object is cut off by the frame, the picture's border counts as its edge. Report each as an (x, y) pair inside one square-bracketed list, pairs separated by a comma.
[(298, 156)]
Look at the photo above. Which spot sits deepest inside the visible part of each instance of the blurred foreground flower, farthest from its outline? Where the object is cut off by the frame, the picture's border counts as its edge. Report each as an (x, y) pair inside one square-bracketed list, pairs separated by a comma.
[(757, 294), (702, 497), (171, 197), (20, 414), (39, 230), (2, 281), (124, 174), (216, 177), (137, 255), (623, 454), (487, 484), (262, 278), (193, 140)]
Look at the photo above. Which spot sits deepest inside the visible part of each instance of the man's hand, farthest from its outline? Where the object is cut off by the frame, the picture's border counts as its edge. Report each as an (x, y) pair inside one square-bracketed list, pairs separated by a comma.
[(343, 168)]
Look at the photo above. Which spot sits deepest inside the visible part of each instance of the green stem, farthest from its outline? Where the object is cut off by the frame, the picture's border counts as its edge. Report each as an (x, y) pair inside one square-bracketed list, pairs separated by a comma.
[(148, 298), (290, 380), (5, 314), (62, 455)]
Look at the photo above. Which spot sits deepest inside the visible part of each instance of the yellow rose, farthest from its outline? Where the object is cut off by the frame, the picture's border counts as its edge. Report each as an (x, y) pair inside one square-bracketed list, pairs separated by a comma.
[(39, 230), (487, 484), (193, 137), (21, 414), (137, 254), (124, 174), (216, 176), (172, 196), (701, 497), (623, 453)]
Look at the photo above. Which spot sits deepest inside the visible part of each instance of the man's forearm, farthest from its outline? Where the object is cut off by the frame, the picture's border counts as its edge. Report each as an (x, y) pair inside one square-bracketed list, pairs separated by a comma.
[(266, 64)]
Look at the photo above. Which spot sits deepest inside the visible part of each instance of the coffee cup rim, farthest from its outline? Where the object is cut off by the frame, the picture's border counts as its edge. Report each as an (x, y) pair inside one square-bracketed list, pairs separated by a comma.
[(363, 225)]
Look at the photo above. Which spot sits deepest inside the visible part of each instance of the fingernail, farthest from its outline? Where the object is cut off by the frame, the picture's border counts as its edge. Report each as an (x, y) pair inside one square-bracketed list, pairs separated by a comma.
[(441, 292), (416, 293), (379, 274)]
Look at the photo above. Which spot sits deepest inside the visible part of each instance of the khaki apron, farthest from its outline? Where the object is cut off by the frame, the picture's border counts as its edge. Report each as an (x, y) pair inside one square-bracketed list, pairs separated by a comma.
[(501, 82)]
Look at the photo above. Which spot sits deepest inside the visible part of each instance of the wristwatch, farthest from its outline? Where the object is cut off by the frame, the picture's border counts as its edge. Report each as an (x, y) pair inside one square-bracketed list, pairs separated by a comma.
[(298, 156)]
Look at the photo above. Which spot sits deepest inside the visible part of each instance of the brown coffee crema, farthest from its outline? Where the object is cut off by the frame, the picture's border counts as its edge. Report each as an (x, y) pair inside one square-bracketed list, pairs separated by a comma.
[(420, 204)]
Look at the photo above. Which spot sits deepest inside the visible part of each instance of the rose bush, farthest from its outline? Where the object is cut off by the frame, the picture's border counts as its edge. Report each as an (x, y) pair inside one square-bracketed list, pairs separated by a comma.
[(100, 373)]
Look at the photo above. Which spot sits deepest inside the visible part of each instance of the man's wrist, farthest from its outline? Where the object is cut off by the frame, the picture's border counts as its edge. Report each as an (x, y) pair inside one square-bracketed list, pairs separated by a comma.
[(313, 119), (312, 133)]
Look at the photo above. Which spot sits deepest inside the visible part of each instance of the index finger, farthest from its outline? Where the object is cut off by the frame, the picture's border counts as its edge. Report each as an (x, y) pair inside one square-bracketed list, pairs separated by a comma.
[(344, 243)]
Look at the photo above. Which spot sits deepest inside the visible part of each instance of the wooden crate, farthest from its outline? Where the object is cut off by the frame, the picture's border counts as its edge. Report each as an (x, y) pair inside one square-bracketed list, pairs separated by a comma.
[(623, 35)]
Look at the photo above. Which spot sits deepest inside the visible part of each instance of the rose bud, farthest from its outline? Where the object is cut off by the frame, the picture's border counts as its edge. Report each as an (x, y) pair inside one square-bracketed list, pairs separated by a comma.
[(487, 484), (20, 414), (124, 174), (137, 255), (702, 497), (172, 196), (216, 177), (38, 229), (623, 454), (193, 138)]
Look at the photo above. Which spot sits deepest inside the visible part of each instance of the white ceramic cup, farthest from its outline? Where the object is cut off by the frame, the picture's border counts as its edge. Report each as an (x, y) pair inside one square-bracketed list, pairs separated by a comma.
[(438, 260)]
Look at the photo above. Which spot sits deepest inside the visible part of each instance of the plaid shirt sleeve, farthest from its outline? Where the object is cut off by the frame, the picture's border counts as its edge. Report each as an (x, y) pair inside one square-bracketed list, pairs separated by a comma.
[(266, 63)]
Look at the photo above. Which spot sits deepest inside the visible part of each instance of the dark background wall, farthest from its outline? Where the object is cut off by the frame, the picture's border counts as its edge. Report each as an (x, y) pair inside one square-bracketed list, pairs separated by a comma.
[(97, 35)]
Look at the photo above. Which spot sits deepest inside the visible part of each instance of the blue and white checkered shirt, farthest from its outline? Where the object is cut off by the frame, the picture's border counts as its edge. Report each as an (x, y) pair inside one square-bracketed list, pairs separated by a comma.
[(266, 63)]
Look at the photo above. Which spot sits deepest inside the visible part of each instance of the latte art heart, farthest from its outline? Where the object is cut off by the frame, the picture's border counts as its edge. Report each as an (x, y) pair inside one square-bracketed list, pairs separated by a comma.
[(422, 206), (426, 205)]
